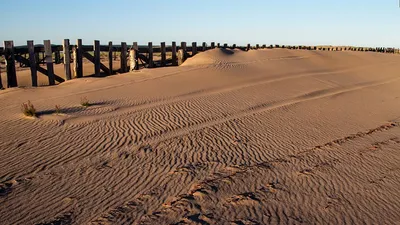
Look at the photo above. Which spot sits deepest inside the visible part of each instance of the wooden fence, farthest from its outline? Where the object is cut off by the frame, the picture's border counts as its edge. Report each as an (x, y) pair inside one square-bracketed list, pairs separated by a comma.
[(130, 59)]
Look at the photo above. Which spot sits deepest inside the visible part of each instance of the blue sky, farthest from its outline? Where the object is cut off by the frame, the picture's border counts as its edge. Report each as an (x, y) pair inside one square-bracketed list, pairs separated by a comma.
[(307, 22)]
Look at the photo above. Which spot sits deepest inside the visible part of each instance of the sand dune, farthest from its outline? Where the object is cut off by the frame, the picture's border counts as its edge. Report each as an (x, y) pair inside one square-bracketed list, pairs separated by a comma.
[(230, 137)]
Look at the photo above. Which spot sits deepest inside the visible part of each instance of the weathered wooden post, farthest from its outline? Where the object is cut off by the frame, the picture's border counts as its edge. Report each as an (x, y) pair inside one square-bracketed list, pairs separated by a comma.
[(218, 45), (49, 61), (234, 46), (67, 59), (181, 56), (248, 47), (136, 48), (96, 55), (123, 57), (132, 60), (110, 58), (10, 64), (79, 59), (204, 47), (151, 62), (32, 63), (257, 46), (174, 58), (194, 48), (74, 62), (225, 45), (163, 54), (183, 46), (212, 45)]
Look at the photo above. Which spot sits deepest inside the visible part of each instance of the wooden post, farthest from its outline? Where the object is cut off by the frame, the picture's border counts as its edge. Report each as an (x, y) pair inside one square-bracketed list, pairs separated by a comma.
[(204, 46), (136, 48), (218, 45), (49, 62), (96, 55), (79, 60), (181, 56), (1, 82), (234, 46), (133, 63), (32, 62), (183, 46), (194, 48), (151, 62), (163, 54), (257, 46), (226, 45), (74, 62), (174, 58), (110, 58), (248, 47), (67, 59), (123, 57), (10, 64), (212, 45)]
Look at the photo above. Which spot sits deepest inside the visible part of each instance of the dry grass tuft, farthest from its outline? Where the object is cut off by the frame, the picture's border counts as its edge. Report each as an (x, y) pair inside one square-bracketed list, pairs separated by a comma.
[(28, 109)]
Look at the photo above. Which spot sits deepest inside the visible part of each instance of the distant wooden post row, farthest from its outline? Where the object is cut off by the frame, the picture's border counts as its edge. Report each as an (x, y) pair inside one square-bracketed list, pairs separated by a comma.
[(74, 53)]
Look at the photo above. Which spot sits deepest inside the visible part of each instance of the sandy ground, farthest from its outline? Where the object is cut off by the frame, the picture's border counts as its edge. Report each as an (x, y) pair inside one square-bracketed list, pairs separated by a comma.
[(260, 137)]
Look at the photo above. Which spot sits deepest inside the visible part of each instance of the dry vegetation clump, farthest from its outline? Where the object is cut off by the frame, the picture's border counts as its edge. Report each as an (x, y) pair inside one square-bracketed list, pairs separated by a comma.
[(57, 109), (84, 102), (28, 109)]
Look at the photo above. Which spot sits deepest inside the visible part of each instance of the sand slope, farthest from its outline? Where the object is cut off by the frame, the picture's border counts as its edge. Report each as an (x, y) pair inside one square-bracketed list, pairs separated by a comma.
[(260, 137)]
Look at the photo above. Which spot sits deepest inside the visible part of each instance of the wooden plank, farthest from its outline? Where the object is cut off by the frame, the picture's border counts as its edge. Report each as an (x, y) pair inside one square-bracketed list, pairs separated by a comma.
[(174, 58), (79, 58), (49, 62), (96, 56), (124, 50), (151, 63), (92, 59), (67, 59), (163, 54), (194, 48), (32, 62), (10, 64), (212, 45), (110, 58), (204, 47)]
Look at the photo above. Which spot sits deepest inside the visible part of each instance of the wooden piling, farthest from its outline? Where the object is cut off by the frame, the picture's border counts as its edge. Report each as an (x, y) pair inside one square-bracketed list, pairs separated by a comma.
[(225, 45), (57, 57), (74, 62), (133, 63), (151, 62), (234, 46), (96, 55), (163, 54), (123, 57), (248, 47), (194, 48), (218, 45), (67, 59), (181, 56), (174, 58), (257, 46), (183, 46), (110, 58), (79, 59), (204, 47), (212, 45), (10, 64), (136, 55), (32, 63), (49, 62)]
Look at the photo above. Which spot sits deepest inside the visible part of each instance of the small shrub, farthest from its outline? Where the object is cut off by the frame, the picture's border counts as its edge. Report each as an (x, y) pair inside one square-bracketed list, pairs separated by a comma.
[(84, 102), (28, 109), (57, 109)]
